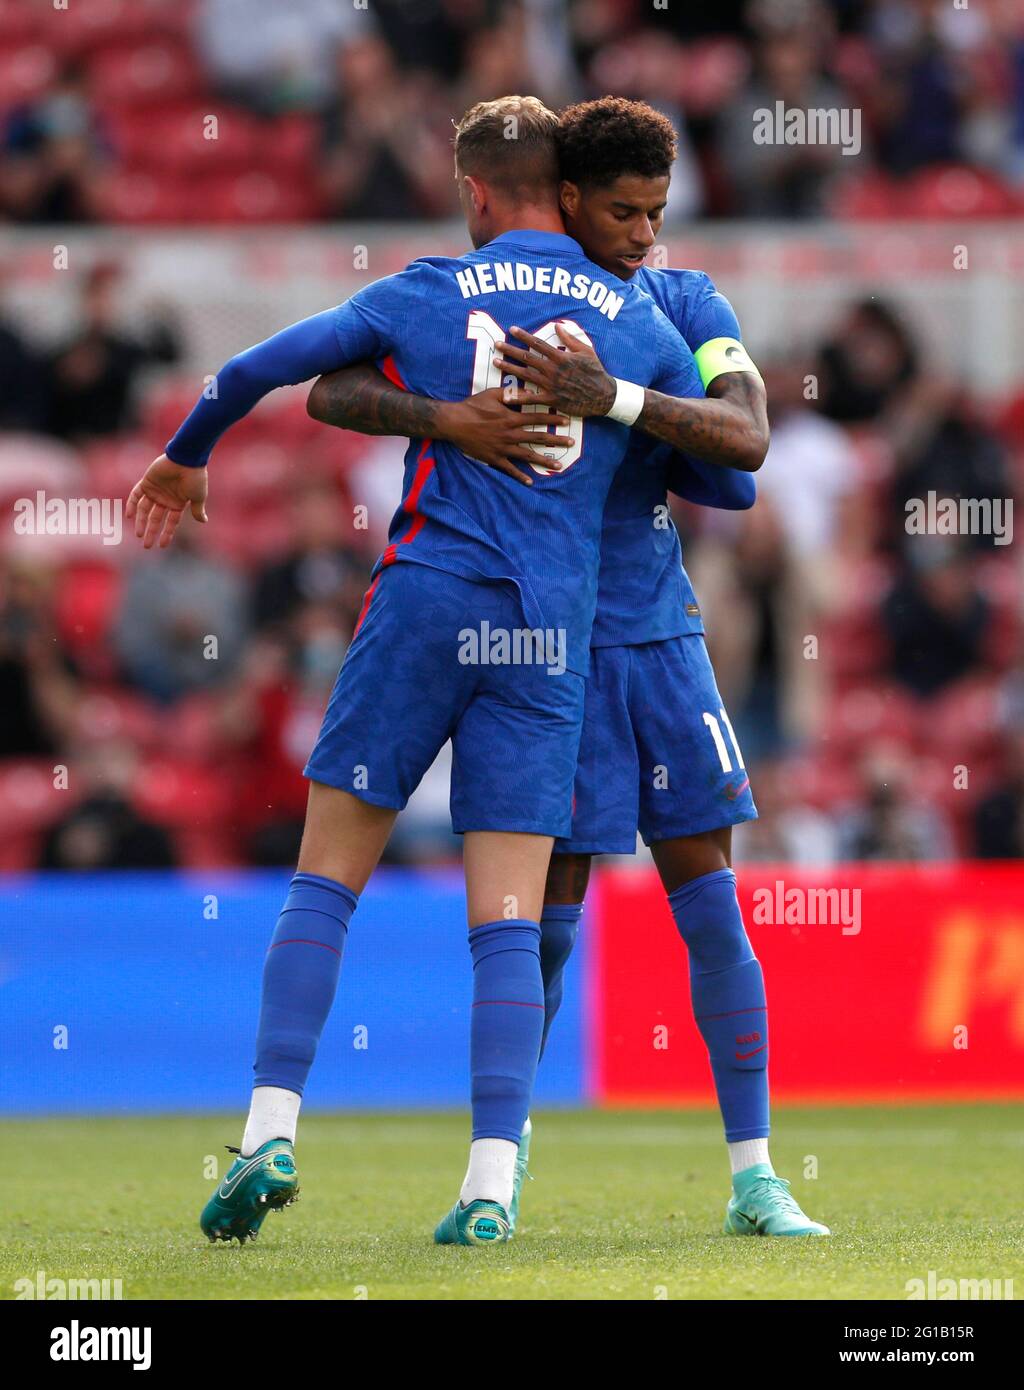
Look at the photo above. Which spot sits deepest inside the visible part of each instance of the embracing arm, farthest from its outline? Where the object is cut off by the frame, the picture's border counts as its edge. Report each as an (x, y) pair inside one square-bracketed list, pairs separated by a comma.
[(484, 427), (361, 398), (728, 489), (728, 429)]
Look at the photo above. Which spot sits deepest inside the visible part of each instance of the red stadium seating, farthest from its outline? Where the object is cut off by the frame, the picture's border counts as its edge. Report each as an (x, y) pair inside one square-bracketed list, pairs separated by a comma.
[(957, 191), (253, 197), (29, 804), (144, 198), (150, 74), (178, 139), (114, 712), (172, 792), (871, 712), (952, 191), (866, 197), (85, 608), (25, 72), (964, 718), (19, 23), (289, 142)]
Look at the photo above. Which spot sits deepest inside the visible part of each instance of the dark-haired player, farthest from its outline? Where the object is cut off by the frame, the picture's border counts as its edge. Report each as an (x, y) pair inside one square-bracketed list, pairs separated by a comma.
[(464, 552), (658, 749)]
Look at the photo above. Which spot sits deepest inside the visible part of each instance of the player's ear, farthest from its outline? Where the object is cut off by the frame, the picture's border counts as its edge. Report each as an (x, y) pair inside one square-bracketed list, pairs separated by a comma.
[(475, 193), (569, 198)]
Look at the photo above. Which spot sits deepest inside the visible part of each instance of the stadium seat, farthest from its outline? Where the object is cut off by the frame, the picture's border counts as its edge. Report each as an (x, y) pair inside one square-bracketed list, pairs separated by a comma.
[(84, 608), (25, 72), (866, 197), (871, 712), (19, 24), (167, 405), (253, 197), (79, 29), (146, 75), (113, 711), (139, 197), (963, 719), (176, 138), (824, 782), (197, 730), (28, 798), (173, 792), (854, 648), (290, 142), (1011, 421), (957, 191)]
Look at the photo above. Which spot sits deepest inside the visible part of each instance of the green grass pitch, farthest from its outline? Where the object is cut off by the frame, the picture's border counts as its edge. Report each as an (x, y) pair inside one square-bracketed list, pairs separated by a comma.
[(625, 1205)]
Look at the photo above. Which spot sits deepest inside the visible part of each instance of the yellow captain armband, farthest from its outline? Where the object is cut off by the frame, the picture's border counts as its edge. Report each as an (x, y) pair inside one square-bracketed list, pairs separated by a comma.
[(720, 355)]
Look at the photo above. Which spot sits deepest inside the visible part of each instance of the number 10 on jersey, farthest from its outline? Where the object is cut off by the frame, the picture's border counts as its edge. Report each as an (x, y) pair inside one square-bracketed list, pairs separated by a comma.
[(487, 335)]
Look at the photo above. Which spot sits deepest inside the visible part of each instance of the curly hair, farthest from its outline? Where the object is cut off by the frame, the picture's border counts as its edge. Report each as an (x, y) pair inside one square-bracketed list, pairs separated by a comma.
[(599, 141)]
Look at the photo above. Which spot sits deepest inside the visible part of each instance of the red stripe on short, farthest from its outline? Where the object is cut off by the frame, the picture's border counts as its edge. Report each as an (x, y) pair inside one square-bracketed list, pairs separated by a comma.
[(366, 603)]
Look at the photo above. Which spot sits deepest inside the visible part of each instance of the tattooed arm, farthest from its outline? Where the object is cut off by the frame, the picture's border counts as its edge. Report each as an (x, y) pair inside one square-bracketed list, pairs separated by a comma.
[(484, 426), (361, 398), (728, 427)]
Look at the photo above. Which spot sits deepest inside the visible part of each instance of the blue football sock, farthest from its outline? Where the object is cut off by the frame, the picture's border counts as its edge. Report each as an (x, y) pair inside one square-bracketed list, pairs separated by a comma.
[(727, 990), (300, 976), (508, 1019), (559, 925)]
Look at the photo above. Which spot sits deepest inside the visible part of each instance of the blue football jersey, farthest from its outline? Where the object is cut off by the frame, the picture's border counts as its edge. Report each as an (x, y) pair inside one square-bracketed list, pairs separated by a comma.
[(437, 323), (644, 593)]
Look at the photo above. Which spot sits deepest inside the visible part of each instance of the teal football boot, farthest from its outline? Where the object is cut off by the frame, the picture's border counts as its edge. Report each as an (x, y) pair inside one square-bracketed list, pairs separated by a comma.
[(479, 1223), (522, 1159), (761, 1205), (265, 1181)]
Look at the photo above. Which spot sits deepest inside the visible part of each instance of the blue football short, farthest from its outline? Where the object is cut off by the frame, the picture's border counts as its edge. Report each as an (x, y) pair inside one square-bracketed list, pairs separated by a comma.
[(657, 752), (426, 665)]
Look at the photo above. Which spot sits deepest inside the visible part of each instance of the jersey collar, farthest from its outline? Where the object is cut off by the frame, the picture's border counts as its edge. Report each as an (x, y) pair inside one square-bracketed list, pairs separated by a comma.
[(536, 241)]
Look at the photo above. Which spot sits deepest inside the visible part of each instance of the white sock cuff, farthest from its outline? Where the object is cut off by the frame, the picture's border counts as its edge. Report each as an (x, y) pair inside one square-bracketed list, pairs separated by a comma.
[(746, 1152), (273, 1114)]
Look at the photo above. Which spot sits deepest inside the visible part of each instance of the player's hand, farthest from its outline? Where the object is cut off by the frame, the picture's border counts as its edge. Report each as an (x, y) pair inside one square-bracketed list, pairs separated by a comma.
[(486, 428), (571, 376), (158, 500)]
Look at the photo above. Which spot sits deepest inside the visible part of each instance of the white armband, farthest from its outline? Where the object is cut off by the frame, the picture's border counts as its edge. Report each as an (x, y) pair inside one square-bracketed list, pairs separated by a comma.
[(628, 402)]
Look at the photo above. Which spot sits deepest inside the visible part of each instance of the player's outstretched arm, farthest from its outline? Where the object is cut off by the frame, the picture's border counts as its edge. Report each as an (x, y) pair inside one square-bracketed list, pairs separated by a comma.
[(718, 430), (484, 427)]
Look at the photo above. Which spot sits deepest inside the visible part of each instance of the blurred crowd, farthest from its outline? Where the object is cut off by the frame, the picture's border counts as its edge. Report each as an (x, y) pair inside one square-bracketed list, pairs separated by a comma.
[(159, 707), (253, 110)]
